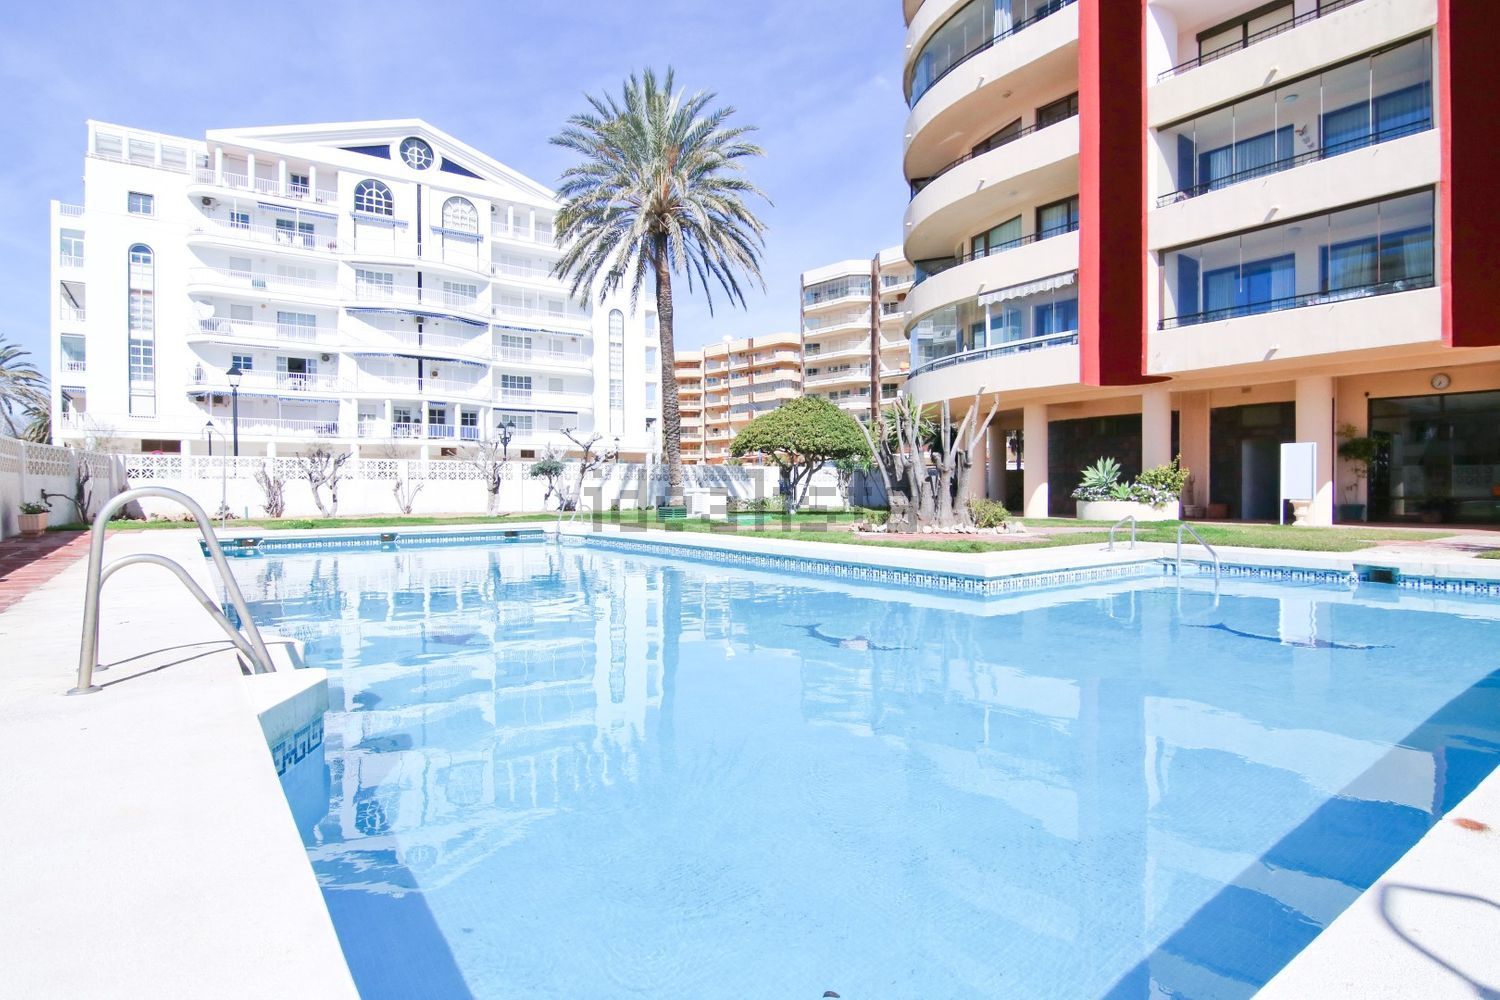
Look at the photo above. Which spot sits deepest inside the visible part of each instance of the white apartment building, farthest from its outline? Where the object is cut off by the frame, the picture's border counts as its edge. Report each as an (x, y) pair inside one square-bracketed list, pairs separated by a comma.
[(377, 285), (854, 347), (1209, 228)]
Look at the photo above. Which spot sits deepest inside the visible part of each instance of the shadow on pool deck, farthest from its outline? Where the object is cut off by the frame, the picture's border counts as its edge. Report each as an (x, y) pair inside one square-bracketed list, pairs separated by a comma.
[(1243, 936)]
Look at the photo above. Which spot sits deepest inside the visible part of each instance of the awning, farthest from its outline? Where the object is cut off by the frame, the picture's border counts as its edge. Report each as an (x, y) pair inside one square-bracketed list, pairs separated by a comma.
[(1029, 288), (379, 220), (443, 354), (457, 234), (412, 311), (290, 396)]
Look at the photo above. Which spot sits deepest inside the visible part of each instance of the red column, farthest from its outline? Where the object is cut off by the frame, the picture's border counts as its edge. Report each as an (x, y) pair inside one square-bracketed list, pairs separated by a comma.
[(1112, 191)]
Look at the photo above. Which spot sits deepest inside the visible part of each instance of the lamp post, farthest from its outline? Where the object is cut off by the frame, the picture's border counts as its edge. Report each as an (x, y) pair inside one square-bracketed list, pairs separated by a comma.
[(507, 431), (234, 375)]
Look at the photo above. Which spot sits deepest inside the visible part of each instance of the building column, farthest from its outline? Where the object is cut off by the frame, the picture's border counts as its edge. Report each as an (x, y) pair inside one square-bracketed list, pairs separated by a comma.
[(996, 483), (1156, 426), (1315, 424), (219, 164), (312, 182), (250, 170), (1193, 429), (281, 177), (1034, 491)]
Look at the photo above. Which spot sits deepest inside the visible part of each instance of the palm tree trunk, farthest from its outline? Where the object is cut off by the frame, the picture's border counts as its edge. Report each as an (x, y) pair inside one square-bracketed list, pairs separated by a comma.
[(671, 416)]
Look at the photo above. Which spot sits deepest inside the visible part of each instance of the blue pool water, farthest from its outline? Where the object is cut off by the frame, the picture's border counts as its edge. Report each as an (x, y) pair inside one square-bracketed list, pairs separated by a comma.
[(565, 772)]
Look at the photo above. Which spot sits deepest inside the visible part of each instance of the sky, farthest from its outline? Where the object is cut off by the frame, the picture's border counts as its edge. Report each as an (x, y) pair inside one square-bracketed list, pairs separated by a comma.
[(819, 78)]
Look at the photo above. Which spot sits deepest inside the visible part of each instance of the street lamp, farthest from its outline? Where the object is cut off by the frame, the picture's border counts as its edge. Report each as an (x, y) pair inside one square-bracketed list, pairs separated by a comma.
[(209, 430), (234, 375), (507, 431)]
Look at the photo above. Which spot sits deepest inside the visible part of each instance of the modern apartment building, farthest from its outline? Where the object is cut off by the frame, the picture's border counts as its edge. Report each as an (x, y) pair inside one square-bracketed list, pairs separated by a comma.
[(854, 348), (373, 284), (722, 387), (1210, 227)]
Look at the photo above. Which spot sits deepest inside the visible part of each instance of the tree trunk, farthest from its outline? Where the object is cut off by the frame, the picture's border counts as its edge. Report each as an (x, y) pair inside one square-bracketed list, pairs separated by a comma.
[(671, 416)]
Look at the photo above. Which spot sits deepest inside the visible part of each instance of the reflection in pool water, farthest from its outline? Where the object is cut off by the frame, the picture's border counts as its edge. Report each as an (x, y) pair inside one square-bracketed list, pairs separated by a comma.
[(559, 772)]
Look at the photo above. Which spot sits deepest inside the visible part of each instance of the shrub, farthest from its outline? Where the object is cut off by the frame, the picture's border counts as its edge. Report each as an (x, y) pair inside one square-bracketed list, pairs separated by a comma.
[(1165, 481), (988, 513), (1098, 480), (34, 508)]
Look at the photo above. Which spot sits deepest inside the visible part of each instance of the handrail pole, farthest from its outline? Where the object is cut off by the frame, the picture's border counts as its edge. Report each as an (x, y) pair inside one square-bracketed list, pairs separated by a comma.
[(1115, 527), (88, 651), (151, 559)]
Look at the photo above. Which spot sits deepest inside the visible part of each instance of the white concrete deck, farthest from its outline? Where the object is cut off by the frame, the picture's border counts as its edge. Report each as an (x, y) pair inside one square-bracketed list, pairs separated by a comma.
[(149, 850)]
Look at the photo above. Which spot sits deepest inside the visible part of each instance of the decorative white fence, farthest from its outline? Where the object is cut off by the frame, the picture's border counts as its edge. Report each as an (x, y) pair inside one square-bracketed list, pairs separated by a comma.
[(27, 470), (369, 486)]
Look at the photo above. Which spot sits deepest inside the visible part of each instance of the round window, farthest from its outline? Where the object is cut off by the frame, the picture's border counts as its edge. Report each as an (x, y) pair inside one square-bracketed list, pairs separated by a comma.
[(416, 153)]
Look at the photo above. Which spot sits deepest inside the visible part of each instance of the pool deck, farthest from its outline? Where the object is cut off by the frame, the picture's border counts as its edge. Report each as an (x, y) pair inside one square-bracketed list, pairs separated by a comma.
[(156, 854)]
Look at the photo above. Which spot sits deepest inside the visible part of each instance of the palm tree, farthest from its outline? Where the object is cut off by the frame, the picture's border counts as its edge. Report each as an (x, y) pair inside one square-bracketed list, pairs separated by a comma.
[(23, 390), (659, 191)]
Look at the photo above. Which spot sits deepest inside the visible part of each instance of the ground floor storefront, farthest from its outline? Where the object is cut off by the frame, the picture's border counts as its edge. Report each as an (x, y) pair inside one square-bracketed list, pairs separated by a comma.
[(1434, 431)]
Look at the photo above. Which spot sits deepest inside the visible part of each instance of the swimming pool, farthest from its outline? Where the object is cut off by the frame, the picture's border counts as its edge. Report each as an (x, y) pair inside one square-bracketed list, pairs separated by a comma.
[(561, 771)]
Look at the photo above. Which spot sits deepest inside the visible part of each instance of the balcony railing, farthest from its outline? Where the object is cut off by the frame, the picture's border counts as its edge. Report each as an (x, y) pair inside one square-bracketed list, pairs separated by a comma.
[(1063, 339), (265, 185), (251, 381), (918, 183), (74, 364), (1044, 11), (841, 375), (1298, 301), (273, 427), (1288, 163), (71, 314), (70, 260), (70, 210), (258, 233), (937, 265), (543, 236), (226, 328), (1323, 9), (260, 279)]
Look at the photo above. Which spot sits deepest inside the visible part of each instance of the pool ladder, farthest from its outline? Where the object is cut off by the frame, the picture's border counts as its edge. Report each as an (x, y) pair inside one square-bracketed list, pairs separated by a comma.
[(1185, 528), (250, 644), (1120, 524)]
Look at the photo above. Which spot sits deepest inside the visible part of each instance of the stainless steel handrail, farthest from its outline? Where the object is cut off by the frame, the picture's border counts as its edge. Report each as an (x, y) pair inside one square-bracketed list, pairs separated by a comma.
[(1116, 526), (1184, 526), (249, 642)]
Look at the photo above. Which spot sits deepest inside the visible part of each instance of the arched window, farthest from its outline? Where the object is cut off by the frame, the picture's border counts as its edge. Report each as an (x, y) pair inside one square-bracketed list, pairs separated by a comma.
[(616, 372), (373, 197), (141, 324), (460, 215)]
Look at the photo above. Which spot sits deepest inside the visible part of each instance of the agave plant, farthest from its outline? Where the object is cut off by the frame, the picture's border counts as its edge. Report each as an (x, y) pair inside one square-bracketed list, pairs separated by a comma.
[(1099, 480)]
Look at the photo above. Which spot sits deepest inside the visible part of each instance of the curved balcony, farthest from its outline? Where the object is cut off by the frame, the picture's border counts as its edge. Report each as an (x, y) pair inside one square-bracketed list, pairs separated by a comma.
[(1038, 363), (1036, 63), (212, 232), (1029, 260), (206, 182), (260, 284), (224, 330), (1022, 172)]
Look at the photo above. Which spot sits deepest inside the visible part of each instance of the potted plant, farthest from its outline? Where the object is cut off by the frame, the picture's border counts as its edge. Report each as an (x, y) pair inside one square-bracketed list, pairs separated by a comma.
[(1360, 452), (1153, 496), (34, 518)]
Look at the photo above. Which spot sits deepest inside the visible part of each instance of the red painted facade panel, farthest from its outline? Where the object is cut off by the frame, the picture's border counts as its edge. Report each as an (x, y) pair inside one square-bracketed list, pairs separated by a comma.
[(1112, 191), (1469, 195)]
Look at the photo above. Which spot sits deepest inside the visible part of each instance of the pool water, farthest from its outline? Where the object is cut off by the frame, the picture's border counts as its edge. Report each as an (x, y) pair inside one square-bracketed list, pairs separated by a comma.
[(564, 772)]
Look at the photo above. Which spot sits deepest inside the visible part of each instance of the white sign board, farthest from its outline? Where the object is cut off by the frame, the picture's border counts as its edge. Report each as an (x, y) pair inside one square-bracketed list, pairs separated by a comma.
[(1299, 474)]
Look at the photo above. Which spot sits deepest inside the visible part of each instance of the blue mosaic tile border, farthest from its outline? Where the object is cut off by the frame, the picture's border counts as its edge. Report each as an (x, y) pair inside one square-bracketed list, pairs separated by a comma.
[(1346, 578), (296, 747), (250, 548), (950, 583)]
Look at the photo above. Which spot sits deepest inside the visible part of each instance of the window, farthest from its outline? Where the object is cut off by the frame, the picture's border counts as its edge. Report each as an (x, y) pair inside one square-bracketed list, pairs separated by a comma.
[(1007, 134), (652, 365), (416, 153), (239, 220), (239, 267), (374, 284), (291, 232), (836, 288), (457, 293), (140, 204), (298, 184), (142, 366), (296, 326), (652, 331), (142, 151), (1057, 218), (1055, 317), (437, 415), (1231, 35), (1251, 287), (70, 247), (525, 423), (468, 418), (460, 215), (1001, 237), (74, 354), (244, 362), (373, 197), (616, 372), (1057, 111), (516, 383), (401, 415)]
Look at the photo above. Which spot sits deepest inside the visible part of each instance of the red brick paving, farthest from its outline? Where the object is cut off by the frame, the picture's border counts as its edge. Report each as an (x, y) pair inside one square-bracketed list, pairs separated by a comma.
[(27, 563)]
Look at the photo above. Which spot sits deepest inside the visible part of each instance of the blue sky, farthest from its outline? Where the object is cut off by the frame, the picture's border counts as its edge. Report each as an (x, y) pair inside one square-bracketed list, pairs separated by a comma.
[(821, 78)]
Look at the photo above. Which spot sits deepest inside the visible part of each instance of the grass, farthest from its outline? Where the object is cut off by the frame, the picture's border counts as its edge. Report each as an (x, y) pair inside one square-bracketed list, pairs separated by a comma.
[(1491, 554), (827, 527)]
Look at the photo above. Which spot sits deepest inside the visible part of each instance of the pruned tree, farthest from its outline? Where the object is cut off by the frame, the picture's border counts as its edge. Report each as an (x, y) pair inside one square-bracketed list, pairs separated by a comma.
[(846, 468), (550, 467), (324, 470), (490, 462), (405, 491), (798, 438), (952, 458), (925, 464), (588, 462), (274, 489), (899, 443), (83, 496)]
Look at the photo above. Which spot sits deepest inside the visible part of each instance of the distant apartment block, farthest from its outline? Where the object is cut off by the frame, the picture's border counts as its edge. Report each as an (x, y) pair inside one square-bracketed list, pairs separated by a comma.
[(1209, 228), (722, 387), (371, 284), (854, 347)]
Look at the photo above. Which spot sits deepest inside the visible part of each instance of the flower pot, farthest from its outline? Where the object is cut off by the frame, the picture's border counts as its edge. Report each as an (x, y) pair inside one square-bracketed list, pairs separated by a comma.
[(33, 525), (1114, 510)]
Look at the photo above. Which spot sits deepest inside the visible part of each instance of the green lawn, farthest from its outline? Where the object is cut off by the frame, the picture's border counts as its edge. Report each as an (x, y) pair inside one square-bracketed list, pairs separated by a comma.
[(818, 527), (1491, 554)]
